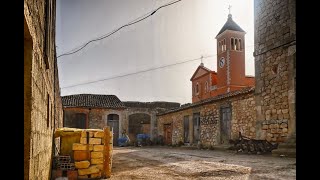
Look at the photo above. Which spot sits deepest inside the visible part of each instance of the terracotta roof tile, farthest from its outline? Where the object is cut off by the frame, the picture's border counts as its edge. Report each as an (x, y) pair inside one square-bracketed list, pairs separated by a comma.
[(92, 100), (213, 99)]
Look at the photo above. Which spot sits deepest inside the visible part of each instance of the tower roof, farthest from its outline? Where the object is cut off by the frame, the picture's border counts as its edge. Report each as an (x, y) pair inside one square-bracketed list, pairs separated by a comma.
[(230, 25)]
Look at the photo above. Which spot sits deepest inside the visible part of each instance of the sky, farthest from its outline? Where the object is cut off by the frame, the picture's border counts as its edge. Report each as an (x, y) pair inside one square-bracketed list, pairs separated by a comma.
[(182, 32)]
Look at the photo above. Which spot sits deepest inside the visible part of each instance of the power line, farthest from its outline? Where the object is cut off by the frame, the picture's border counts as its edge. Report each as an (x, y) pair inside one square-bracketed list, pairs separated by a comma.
[(151, 69), (202, 57), (142, 71), (114, 31)]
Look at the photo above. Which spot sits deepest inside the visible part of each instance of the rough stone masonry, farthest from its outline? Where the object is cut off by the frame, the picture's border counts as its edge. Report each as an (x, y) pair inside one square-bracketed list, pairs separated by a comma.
[(275, 70), (42, 104)]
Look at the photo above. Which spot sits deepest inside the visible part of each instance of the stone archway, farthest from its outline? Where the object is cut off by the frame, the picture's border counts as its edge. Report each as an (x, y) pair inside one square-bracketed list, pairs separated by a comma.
[(139, 123)]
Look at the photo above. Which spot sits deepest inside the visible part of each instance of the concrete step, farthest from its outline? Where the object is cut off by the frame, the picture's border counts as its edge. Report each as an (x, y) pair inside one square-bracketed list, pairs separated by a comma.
[(287, 146), (284, 152), (188, 147), (221, 147)]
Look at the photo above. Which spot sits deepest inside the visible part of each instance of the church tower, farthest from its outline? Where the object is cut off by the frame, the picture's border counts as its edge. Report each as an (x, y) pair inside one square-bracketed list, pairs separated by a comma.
[(230, 57)]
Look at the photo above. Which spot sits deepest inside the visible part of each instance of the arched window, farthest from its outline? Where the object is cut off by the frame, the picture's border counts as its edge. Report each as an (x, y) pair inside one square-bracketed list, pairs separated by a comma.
[(224, 45), (197, 88), (232, 43), (236, 44), (240, 46)]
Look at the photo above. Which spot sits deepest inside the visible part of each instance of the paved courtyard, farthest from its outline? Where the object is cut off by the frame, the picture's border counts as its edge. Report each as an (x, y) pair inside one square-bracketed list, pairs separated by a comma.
[(177, 163)]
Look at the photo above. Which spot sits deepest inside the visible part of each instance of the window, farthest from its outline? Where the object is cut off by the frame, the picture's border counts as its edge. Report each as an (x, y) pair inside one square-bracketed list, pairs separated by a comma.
[(236, 44), (222, 46), (232, 43), (197, 88), (206, 88)]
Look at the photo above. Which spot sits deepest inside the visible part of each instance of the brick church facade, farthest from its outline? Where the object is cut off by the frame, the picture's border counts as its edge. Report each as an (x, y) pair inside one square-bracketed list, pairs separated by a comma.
[(230, 75)]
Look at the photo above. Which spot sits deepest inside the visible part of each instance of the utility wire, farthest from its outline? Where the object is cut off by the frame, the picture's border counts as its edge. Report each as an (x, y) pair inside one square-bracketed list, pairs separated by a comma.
[(151, 69), (114, 31), (141, 71)]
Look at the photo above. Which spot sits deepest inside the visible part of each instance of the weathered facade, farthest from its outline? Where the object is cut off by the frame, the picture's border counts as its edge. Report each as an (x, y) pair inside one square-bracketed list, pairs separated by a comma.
[(96, 111), (42, 104), (211, 122), (275, 70)]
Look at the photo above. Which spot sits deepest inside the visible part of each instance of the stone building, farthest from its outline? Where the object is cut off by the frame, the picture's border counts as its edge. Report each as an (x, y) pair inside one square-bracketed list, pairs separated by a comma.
[(42, 103), (212, 121), (275, 69), (230, 75), (265, 111), (96, 111)]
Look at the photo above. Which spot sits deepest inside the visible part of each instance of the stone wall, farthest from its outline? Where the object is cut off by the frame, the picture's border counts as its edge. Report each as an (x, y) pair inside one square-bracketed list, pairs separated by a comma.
[(176, 119), (275, 37), (209, 121), (242, 119), (96, 117), (42, 112)]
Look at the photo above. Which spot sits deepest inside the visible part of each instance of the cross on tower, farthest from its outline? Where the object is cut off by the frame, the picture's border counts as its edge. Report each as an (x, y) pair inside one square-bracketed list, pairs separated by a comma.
[(229, 9), (201, 58)]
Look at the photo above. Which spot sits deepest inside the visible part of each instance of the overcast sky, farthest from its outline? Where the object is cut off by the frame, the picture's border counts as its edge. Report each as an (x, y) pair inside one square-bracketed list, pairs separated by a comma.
[(183, 31)]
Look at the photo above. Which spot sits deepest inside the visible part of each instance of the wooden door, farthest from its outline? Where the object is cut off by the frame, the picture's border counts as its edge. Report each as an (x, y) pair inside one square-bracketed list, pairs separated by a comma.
[(167, 129), (80, 121), (186, 129), (196, 127), (113, 123), (225, 125)]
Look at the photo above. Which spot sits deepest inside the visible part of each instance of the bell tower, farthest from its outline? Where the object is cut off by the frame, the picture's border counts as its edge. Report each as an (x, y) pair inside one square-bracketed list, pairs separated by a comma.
[(230, 57)]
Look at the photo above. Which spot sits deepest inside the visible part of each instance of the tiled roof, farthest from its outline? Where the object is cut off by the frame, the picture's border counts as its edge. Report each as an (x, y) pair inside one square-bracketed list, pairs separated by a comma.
[(92, 100), (200, 67), (213, 99), (230, 25)]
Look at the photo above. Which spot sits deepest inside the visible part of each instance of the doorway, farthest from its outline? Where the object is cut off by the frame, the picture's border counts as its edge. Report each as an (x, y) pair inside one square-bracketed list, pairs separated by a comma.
[(186, 129), (139, 123), (225, 125), (167, 131), (196, 127), (113, 123)]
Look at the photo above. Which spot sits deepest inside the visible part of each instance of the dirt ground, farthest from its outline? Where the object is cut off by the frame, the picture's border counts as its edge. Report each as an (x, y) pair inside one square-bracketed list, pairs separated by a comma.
[(176, 163)]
